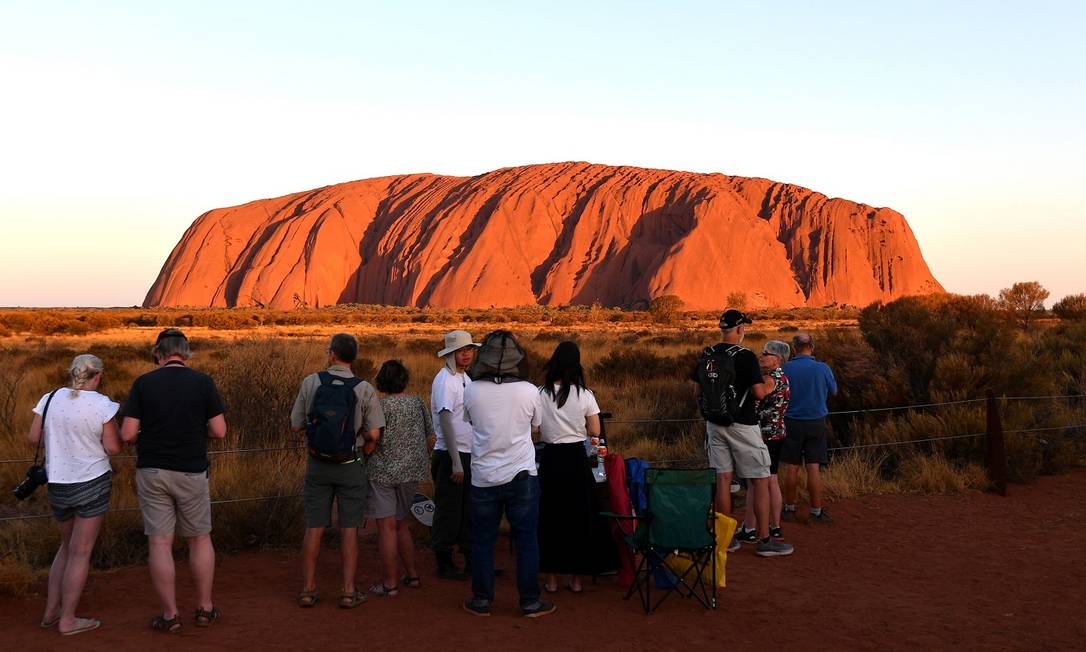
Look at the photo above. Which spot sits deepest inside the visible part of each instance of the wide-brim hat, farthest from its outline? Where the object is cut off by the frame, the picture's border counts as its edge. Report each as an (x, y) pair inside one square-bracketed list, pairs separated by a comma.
[(456, 340), (500, 355)]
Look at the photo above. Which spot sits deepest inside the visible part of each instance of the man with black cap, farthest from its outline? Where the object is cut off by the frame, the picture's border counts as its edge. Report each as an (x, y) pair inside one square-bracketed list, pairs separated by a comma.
[(739, 447), (503, 410), (170, 414)]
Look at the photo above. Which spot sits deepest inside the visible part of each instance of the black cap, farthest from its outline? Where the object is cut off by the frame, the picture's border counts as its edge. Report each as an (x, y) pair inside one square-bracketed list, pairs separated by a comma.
[(732, 318), (170, 332)]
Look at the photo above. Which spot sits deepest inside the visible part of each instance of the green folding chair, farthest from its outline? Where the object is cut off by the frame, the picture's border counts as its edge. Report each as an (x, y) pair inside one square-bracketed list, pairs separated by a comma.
[(679, 520)]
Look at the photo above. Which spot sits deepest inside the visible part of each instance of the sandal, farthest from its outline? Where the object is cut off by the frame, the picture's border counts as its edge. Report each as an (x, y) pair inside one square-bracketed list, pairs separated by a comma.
[(167, 625), (46, 624), (351, 599), (205, 617), (411, 581), (381, 589), (307, 599)]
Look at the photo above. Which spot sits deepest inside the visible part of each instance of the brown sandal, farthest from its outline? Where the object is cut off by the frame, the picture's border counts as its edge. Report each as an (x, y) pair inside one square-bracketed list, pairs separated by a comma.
[(204, 617), (351, 599), (307, 599), (166, 625)]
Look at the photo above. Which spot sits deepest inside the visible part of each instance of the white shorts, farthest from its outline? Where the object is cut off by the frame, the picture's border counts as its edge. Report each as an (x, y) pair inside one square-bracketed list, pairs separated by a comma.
[(738, 449)]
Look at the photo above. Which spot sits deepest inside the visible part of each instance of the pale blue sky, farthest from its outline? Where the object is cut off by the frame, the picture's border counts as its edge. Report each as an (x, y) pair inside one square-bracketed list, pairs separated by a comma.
[(123, 121)]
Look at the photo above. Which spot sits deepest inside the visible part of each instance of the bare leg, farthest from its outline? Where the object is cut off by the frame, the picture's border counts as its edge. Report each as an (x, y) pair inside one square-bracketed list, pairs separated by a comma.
[(551, 582), (160, 561), (56, 573), (311, 550), (775, 501), (724, 493), (202, 564), (760, 487), (386, 546), (791, 471), (750, 519), (349, 549), (406, 548), (80, 546), (814, 485)]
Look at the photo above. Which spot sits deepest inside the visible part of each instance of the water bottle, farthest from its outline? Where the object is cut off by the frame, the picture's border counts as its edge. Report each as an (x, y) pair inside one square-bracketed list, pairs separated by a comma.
[(596, 447)]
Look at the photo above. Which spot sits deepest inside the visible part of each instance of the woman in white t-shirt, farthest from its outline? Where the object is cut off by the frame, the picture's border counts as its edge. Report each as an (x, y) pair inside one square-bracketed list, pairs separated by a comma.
[(567, 511), (79, 436)]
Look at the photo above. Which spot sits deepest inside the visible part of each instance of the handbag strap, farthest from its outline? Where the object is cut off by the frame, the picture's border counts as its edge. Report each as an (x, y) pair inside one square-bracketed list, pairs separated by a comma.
[(44, 412)]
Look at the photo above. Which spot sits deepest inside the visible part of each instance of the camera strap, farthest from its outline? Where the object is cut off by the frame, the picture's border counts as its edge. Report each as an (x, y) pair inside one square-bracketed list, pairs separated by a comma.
[(44, 412)]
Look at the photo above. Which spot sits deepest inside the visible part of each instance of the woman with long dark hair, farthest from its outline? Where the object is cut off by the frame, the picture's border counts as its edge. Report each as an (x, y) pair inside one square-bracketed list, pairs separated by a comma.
[(567, 509)]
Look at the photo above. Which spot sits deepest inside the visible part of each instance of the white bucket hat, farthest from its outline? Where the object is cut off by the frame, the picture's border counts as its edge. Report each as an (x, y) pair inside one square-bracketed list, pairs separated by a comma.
[(456, 340)]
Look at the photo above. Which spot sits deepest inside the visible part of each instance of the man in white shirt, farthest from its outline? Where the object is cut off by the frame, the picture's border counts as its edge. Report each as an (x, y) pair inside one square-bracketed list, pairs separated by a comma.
[(451, 472), (503, 410)]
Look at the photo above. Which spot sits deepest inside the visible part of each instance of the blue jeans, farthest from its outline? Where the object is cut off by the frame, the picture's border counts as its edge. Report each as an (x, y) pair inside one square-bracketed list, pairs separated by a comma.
[(520, 501)]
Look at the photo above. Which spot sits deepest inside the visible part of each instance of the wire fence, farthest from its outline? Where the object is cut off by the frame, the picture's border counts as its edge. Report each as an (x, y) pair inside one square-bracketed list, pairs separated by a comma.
[(928, 440)]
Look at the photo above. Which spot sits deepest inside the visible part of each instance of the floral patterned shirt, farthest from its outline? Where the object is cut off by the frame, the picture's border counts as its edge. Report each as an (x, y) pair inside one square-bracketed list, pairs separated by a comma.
[(771, 408), (401, 454)]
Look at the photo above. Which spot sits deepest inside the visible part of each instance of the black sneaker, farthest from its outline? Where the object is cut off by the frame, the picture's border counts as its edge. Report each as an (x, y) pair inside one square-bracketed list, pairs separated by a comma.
[(746, 536), (536, 609), (477, 607), (821, 517), (776, 533), (788, 516)]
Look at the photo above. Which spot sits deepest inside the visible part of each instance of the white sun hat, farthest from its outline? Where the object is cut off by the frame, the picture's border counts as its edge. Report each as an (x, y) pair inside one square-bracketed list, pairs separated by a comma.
[(456, 340)]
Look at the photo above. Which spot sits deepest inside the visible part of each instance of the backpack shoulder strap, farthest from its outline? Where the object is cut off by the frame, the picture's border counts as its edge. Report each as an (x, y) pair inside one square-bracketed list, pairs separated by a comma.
[(734, 349)]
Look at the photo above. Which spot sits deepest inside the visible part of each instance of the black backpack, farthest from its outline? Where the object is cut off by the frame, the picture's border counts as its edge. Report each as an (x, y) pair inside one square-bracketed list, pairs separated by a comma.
[(330, 430), (716, 378)]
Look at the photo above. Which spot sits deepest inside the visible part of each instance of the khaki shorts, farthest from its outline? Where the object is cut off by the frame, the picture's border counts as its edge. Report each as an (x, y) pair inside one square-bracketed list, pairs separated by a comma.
[(390, 500), (344, 484), (172, 500), (738, 449)]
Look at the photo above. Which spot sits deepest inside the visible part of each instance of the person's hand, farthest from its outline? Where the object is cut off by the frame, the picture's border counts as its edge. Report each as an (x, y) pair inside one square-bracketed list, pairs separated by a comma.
[(458, 478), (368, 448)]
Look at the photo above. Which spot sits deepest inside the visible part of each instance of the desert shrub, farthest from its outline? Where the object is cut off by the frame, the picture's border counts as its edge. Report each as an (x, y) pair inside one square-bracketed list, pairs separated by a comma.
[(1023, 301), (664, 309), (737, 300), (626, 363), (1072, 306)]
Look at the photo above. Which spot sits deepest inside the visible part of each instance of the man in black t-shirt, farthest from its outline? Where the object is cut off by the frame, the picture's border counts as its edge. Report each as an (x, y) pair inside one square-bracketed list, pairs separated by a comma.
[(739, 447), (170, 414)]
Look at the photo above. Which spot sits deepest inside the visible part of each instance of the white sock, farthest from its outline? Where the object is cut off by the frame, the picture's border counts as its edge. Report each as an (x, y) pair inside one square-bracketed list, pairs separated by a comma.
[(816, 511)]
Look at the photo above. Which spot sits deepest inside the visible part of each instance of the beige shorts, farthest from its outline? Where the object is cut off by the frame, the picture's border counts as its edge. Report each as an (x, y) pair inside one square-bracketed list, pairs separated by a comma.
[(738, 449), (172, 500), (395, 500)]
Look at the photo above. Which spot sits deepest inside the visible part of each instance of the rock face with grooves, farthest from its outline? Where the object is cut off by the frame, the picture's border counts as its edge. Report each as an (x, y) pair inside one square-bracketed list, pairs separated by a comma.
[(563, 233)]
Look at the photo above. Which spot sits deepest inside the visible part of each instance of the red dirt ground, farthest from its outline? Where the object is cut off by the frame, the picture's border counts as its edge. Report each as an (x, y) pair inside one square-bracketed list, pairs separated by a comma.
[(894, 572)]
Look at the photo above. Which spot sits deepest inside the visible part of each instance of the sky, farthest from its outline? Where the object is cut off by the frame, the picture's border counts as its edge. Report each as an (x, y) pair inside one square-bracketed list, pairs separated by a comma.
[(121, 122)]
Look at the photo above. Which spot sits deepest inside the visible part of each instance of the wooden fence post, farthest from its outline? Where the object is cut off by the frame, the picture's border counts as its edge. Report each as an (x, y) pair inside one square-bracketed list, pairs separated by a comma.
[(995, 456)]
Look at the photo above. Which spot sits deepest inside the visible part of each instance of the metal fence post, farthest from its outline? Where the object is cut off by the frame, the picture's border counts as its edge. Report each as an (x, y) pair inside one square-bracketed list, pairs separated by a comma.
[(995, 456)]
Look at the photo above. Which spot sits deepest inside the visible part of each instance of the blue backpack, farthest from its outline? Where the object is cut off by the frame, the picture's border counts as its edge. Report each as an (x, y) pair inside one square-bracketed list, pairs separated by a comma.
[(635, 483), (330, 429)]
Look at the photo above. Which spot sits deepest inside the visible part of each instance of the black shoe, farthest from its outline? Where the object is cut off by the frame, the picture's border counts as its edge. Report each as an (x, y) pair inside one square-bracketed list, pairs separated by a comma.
[(477, 607), (776, 533), (821, 517), (447, 570), (537, 609), (788, 516), (744, 535)]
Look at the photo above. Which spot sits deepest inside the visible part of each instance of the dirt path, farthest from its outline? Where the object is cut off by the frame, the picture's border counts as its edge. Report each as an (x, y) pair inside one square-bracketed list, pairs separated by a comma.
[(894, 572)]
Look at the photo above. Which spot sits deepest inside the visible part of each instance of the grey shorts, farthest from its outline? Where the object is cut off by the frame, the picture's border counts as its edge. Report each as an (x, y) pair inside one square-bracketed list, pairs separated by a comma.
[(738, 449), (345, 484), (82, 499), (174, 501), (390, 500)]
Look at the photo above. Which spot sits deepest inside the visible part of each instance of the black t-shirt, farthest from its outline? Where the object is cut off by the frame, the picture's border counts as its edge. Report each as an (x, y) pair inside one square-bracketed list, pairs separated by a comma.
[(747, 374), (174, 404)]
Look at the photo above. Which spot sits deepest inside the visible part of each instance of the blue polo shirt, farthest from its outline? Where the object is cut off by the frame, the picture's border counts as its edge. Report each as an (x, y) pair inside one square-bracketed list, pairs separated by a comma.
[(811, 382)]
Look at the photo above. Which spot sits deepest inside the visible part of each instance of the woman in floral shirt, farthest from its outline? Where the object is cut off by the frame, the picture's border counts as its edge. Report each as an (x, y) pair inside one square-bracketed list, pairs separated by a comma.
[(771, 419), (396, 467)]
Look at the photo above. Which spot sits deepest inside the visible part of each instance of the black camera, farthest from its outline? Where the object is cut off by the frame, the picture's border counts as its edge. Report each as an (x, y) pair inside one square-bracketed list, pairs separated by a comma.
[(35, 477)]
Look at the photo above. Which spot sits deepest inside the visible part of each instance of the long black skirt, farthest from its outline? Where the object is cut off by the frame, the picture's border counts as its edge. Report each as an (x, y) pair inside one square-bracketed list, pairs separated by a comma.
[(573, 537)]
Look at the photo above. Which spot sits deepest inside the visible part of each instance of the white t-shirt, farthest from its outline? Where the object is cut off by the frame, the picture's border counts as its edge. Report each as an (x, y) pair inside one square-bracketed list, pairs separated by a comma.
[(502, 417), (566, 425), (73, 435), (447, 393)]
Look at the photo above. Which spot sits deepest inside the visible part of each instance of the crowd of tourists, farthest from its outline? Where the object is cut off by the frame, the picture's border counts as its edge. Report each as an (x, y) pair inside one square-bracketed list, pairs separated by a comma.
[(368, 450)]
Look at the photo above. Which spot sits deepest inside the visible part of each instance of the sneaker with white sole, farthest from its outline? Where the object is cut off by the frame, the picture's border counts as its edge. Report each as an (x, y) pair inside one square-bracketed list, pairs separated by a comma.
[(746, 536), (821, 517), (538, 609), (776, 532), (734, 545), (772, 548)]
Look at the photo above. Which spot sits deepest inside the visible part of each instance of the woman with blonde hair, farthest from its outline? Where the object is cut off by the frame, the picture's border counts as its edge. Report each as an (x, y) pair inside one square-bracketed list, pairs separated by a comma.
[(75, 425)]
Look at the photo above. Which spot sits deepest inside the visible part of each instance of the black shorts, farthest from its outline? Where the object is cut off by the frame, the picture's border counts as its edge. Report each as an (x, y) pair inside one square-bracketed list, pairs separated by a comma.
[(805, 442), (774, 446)]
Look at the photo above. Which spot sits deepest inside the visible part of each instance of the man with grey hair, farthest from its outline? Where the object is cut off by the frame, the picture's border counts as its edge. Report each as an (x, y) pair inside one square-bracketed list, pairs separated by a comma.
[(737, 448), (812, 382), (170, 413), (338, 412)]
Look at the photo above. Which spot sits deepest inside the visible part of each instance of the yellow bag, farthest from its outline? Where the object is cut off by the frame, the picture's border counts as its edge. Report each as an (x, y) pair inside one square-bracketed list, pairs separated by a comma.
[(725, 530)]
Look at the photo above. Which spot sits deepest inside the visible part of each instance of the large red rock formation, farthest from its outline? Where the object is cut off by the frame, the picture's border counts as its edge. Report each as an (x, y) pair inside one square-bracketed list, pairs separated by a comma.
[(548, 234)]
